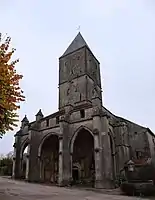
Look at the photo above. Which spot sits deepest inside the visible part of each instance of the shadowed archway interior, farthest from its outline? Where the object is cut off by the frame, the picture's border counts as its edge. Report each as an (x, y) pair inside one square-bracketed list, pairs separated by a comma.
[(50, 159), (83, 164)]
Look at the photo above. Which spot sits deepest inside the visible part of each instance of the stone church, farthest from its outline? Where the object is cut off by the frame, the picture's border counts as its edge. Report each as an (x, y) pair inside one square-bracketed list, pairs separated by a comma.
[(82, 143)]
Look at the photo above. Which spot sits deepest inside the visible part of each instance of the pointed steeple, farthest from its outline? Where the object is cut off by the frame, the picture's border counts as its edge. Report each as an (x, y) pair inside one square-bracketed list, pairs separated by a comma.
[(76, 44), (24, 122), (39, 115), (25, 119)]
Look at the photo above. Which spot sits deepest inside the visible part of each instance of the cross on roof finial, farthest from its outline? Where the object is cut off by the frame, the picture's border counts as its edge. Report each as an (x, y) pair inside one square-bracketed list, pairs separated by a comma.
[(79, 27)]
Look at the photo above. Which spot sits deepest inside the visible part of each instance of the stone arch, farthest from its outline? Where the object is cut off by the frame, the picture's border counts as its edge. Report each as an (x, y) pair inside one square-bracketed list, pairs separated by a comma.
[(75, 135), (48, 158), (82, 157), (43, 140), (23, 146)]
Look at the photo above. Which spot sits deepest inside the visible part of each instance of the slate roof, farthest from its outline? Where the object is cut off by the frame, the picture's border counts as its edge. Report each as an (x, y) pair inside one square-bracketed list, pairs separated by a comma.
[(76, 44)]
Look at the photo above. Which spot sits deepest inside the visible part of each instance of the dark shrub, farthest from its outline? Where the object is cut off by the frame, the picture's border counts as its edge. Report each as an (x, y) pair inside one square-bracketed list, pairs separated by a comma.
[(147, 172), (128, 188), (6, 166), (138, 188)]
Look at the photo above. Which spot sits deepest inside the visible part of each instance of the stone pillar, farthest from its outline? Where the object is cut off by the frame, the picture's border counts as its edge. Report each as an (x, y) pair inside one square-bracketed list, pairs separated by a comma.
[(34, 167), (40, 168), (27, 167), (13, 167), (27, 162), (64, 153), (14, 161), (71, 167), (113, 154), (97, 148), (98, 160), (122, 145), (60, 160), (106, 153), (16, 158)]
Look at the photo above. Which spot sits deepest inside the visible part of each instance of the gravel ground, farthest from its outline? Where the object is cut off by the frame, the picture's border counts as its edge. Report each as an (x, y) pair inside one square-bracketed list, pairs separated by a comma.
[(18, 190)]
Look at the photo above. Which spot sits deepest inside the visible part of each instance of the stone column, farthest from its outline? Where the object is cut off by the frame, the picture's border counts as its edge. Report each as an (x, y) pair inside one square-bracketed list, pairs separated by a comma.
[(27, 163), (60, 160), (122, 145), (27, 173), (27, 167), (15, 157), (71, 167), (98, 160), (40, 168), (14, 161), (13, 168), (64, 153), (34, 141), (106, 152), (97, 148), (113, 154)]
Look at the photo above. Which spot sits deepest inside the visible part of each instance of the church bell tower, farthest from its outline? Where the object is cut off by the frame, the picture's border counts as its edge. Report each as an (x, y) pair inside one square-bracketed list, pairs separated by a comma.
[(79, 76)]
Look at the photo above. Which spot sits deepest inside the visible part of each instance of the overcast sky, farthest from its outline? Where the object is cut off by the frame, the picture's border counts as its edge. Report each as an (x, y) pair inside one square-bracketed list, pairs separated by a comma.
[(121, 34)]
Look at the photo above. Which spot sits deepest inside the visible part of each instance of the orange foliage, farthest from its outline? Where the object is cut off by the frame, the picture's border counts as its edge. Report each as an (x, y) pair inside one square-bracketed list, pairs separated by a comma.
[(10, 92)]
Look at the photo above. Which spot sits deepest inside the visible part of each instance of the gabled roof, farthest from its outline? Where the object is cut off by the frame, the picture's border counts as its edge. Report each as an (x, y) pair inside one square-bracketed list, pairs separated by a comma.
[(76, 44)]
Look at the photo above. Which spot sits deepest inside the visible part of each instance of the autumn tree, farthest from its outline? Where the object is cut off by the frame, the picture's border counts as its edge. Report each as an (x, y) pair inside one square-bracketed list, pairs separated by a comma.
[(10, 92)]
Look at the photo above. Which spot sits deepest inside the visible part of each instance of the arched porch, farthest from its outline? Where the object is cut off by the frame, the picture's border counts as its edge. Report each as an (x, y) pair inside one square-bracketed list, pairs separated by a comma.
[(48, 154), (82, 158)]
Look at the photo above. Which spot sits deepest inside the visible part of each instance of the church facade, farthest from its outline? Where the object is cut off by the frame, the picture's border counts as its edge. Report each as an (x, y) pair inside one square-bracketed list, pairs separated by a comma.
[(82, 143)]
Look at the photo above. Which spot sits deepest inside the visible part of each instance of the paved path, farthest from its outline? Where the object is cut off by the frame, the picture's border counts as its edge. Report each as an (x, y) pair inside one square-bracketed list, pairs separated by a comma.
[(18, 190)]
